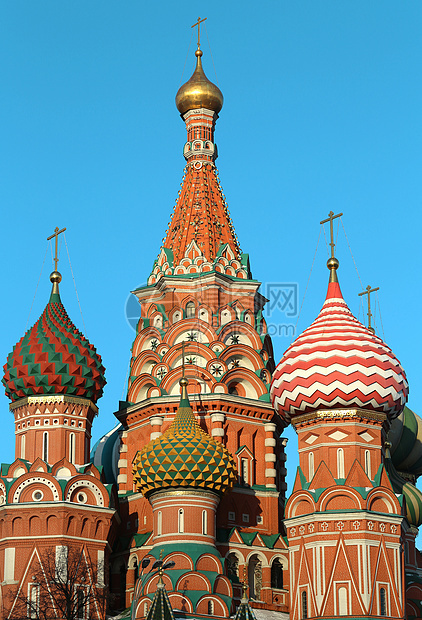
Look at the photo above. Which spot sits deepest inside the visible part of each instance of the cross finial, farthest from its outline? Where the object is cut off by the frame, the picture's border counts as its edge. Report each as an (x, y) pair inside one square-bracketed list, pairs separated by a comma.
[(198, 24), (244, 584), (183, 360), (330, 219), (56, 233), (368, 292)]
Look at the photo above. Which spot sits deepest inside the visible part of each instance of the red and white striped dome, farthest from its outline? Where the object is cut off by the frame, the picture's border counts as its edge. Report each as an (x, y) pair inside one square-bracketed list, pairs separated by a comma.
[(338, 363)]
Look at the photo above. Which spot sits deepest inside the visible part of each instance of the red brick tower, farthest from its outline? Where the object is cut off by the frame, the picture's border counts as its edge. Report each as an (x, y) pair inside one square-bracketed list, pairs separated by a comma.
[(53, 502), (201, 307), (340, 386)]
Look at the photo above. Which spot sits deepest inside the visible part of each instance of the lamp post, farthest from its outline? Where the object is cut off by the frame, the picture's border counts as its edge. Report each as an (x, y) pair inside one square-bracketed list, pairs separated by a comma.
[(156, 568)]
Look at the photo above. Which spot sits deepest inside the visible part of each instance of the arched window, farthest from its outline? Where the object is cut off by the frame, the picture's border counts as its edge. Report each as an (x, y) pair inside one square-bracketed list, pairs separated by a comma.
[(277, 574), (23, 438), (340, 463), (45, 447), (383, 602), (311, 465), (72, 448), (342, 602), (368, 463), (210, 608), (304, 605), (136, 569), (159, 523), (181, 521), (233, 389), (145, 609), (190, 309), (204, 521)]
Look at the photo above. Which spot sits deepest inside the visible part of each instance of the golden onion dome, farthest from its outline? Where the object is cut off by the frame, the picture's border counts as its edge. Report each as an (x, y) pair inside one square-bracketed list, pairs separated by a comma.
[(199, 92), (184, 456)]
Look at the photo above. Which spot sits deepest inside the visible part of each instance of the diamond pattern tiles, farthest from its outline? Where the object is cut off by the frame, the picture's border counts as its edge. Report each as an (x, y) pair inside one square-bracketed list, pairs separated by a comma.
[(338, 363), (53, 357), (185, 456)]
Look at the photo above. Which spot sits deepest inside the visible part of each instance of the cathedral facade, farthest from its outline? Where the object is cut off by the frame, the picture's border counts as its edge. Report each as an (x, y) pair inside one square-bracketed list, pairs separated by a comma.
[(187, 494)]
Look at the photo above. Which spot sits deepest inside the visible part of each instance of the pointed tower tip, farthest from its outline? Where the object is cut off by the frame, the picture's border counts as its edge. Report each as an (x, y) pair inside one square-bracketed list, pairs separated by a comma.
[(334, 291), (55, 278)]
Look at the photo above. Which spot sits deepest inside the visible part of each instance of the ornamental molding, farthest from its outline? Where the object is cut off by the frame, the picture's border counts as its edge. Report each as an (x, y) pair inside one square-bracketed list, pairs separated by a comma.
[(52, 398), (330, 414)]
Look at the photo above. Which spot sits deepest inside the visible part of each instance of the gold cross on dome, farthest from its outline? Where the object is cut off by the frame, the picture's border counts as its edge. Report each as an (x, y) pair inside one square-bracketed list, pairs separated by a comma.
[(330, 219), (198, 24), (57, 232), (368, 292)]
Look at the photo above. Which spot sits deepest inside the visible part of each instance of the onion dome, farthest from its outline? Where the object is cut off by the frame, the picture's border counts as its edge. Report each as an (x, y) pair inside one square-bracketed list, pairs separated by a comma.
[(405, 435), (53, 357), (411, 493), (184, 456), (199, 92), (338, 363)]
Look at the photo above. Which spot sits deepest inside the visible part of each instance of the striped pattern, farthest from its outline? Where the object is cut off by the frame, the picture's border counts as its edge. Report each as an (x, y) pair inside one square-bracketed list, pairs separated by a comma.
[(54, 357), (337, 363)]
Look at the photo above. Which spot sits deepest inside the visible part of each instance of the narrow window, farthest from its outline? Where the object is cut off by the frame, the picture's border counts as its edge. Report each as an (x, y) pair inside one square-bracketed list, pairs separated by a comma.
[(244, 470), (159, 523), (368, 463), (383, 603), (304, 605), (190, 309), (342, 602), (45, 447), (210, 608), (34, 600), (311, 465), (181, 521), (72, 448), (340, 463), (145, 609), (23, 446), (204, 521), (81, 603)]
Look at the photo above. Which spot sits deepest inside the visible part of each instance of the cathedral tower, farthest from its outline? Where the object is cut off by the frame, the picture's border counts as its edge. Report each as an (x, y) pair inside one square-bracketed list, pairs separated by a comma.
[(201, 309)]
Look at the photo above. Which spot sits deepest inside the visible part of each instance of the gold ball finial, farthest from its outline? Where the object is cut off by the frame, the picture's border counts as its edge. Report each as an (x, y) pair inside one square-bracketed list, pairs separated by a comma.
[(183, 382), (55, 277), (333, 263)]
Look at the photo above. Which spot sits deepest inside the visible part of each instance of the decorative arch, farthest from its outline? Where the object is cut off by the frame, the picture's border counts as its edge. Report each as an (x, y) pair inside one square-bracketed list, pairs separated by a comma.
[(144, 338), (174, 333), (239, 327), (193, 581), (38, 482), (82, 485), (219, 606), (145, 362), (343, 498), (302, 504), (208, 562), (142, 387)]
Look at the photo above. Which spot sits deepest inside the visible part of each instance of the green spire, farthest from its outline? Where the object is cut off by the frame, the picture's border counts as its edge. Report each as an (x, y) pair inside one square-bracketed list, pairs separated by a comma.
[(161, 607)]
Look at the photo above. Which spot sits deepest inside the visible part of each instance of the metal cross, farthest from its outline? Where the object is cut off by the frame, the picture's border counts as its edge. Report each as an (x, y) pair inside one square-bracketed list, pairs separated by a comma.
[(183, 360), (198, 24), (330, 219), (56, 234), (368, 292)]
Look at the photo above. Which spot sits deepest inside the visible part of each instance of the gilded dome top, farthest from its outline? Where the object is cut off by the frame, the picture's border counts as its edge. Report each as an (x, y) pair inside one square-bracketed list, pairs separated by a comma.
[(184, 456), (199, 92), (54, 357)]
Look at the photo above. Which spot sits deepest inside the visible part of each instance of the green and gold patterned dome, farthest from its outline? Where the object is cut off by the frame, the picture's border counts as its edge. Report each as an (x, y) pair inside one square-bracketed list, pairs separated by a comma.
[(184, 456)]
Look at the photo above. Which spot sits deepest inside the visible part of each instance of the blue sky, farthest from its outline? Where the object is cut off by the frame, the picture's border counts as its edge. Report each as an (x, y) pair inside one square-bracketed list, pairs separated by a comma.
[(322, 112)]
